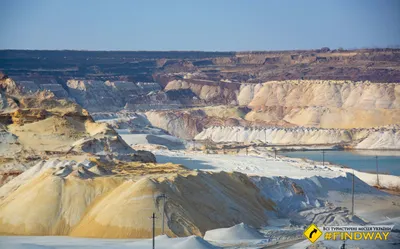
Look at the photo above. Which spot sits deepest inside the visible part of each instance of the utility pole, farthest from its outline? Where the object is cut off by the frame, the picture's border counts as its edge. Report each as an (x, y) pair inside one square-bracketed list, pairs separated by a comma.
[(275, 152), (344, 245), (323, 157), (163, 196), (352, 197), (377, 171), (153, 217), (247, 150)]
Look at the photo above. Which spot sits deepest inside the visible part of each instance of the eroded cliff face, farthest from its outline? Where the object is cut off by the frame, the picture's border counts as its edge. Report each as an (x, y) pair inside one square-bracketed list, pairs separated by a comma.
[(184, 125), (185, 102), (338, 94), (325, 104), (209, 91), (113, 95)]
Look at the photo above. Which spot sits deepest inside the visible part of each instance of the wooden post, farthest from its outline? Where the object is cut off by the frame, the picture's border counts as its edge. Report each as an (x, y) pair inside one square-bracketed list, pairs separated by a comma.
[(153, 217)]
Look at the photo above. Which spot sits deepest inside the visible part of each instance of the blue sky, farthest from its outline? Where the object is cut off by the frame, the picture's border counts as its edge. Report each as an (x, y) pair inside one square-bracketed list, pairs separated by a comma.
[(212, 25)]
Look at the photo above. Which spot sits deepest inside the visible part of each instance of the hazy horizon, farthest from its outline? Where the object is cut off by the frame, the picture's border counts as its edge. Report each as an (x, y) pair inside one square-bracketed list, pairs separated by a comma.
[(205, 51)]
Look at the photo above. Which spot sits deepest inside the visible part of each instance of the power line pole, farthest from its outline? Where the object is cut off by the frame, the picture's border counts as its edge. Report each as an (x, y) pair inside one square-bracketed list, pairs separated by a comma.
[(323, 157), (352, 197), (163, 196), (344, 245), (377, 171), (153, 217), (275, 152)]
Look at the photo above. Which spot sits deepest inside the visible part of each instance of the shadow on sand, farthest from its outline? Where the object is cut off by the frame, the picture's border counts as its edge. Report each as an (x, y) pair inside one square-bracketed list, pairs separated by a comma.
[(185, 161)]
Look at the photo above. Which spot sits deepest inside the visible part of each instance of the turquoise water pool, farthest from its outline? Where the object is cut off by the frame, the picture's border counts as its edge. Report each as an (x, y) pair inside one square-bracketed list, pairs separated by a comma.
[(388, 161)]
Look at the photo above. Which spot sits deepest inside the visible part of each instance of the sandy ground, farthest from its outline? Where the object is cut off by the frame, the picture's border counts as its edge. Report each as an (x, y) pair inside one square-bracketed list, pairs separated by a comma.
[(372, 206), (332, 183), (49, 242)]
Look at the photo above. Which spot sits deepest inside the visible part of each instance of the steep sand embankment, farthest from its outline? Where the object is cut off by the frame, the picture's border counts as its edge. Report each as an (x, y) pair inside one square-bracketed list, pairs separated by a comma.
[(384, 138), (327, 104), (65, 198)]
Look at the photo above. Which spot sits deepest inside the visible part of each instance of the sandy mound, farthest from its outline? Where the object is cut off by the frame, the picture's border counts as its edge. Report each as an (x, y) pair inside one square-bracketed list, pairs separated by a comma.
[(124, 212), (51, 134), (237, 232), (194, 242), (55, 204), (66, 198), (167, 141)]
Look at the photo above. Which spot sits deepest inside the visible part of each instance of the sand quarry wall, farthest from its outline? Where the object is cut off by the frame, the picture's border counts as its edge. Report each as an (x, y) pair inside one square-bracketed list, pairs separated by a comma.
[(312, 103)]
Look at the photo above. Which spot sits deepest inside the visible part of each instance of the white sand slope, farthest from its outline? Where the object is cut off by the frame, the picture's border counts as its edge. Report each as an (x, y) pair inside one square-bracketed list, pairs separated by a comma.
[(296, 185), (238, 232), (385, 138), (165, 140), (46, 242), (266, 165)]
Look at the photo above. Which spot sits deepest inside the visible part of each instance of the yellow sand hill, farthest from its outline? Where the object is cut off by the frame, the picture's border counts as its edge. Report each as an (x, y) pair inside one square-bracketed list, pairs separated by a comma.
[(65, 198)]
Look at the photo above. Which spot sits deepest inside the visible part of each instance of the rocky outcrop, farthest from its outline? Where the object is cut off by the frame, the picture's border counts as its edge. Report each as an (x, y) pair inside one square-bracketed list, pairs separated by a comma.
[(108, 96), (181, 124), (25, 116), (43, 124), (208, 91)]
